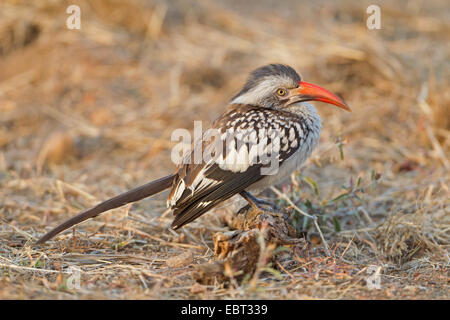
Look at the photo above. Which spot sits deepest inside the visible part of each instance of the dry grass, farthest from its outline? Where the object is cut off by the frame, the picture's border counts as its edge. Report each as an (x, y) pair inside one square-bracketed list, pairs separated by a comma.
[(87, 114)]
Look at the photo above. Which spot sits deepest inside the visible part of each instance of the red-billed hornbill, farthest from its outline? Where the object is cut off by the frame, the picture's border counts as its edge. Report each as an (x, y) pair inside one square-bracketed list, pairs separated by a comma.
[(268, 122)]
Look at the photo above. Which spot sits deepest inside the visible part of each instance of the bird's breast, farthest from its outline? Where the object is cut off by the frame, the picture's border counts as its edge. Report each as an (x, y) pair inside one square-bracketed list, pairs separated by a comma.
[(287, 166)]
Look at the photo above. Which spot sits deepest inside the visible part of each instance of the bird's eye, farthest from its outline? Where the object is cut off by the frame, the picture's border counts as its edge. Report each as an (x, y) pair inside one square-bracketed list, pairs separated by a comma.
[(281, 92)]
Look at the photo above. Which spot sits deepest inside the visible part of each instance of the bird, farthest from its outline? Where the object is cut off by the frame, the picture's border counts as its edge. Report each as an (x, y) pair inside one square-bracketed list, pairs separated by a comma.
[(266, 132)]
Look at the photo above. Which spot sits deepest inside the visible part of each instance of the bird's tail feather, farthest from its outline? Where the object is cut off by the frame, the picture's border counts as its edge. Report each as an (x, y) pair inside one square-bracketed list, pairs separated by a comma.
[(133, 195)]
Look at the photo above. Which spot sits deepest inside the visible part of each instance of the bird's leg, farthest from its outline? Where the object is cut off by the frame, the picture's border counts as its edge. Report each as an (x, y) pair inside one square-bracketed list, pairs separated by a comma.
[(255, 202)]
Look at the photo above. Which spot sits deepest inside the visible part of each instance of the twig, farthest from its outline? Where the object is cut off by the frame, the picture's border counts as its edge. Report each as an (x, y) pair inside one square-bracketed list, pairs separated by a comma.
[(12, 266), (23, 233), (357, 230)]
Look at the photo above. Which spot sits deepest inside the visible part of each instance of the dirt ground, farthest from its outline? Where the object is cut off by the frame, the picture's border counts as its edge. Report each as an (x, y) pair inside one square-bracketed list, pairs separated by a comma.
[(87, 114)]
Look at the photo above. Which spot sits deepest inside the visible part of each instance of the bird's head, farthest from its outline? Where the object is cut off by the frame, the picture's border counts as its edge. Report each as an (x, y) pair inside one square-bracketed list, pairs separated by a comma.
[(279, 86)]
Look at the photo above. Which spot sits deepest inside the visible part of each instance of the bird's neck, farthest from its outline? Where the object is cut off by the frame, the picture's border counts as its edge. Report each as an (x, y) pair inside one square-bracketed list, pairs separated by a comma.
[(311, 123), (308, 113)]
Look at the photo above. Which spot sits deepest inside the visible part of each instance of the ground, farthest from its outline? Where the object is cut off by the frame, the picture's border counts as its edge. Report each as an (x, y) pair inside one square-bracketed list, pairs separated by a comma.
[(86, 114)]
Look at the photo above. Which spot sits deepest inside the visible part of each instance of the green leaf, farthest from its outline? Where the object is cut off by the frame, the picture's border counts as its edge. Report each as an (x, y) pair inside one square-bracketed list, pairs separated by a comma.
[(312, 183), (281, 249), (337, 226), (340, 146), (373, 177), (358, 183), (274, 272), (308, 204), (38, 264), (340, 197)]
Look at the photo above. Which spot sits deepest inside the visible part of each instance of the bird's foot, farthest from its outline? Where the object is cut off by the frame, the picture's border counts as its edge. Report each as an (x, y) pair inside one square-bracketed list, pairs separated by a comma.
[(258, 204), (244, 209), (263, 202)]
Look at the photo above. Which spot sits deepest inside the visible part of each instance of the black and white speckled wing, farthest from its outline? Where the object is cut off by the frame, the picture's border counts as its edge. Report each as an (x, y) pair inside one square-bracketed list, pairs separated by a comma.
[(245, 144)]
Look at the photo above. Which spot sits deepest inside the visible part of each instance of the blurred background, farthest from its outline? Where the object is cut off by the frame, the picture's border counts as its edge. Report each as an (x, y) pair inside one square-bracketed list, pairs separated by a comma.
[(86, 114)]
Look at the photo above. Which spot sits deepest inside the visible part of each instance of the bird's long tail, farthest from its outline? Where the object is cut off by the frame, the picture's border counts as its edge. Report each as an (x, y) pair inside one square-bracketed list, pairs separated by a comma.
[(133, 195)]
